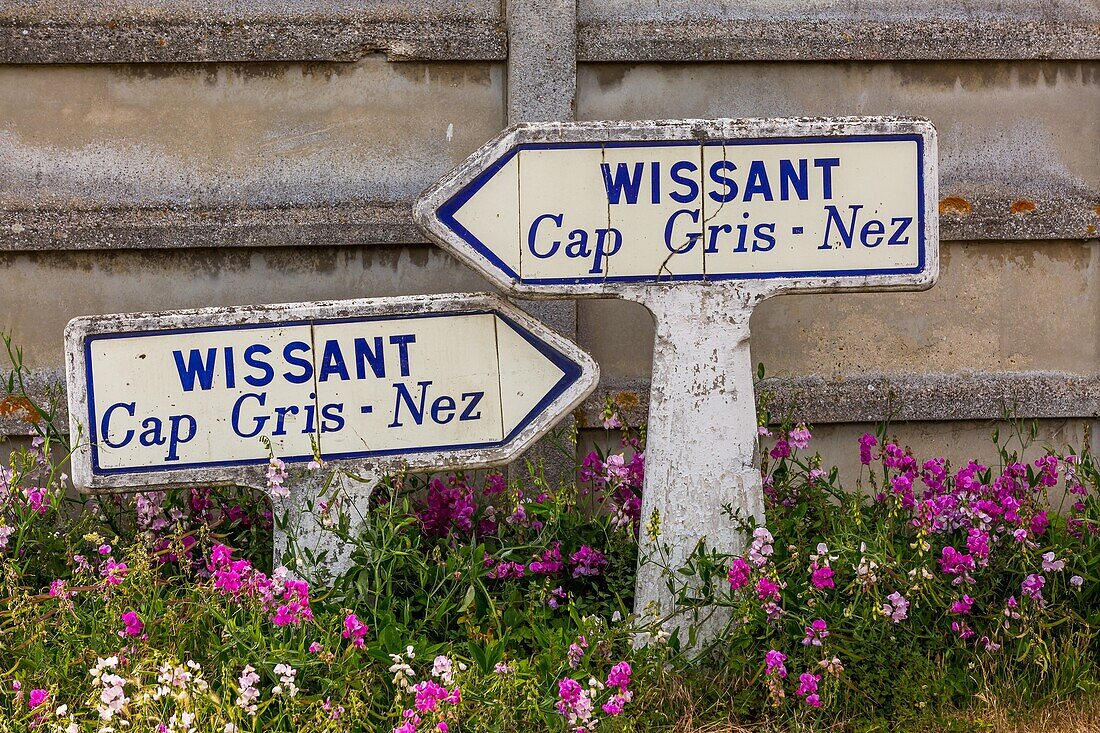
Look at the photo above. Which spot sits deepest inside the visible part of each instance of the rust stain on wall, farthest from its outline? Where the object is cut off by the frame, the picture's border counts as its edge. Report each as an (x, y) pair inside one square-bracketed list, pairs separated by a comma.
[(1023, 206), (955, 205), (20, 408)]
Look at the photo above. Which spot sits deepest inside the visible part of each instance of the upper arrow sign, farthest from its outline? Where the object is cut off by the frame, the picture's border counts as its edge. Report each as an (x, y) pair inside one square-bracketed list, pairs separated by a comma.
[(593, 208), (429, 382)]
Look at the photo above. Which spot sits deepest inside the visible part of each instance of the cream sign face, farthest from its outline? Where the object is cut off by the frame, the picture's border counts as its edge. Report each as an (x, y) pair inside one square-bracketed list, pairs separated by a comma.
[(586, 209), (452, 381)]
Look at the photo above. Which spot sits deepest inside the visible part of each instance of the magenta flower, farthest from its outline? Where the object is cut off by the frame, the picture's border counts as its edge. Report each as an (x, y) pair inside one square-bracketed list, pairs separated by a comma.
[(821, 576), (1032, 587), (807, 687), (113, 572), (739, 573), (1039, 524), (134, 624), (963, 606), (495, 483), (866, 443), (615, 704), (782, 449), (355, 630), (619, 676), (767, 589), (957, 564), (977, 542), (773, 663), (36, 698), (1048, 470), (816, 633), (569, 690), (549, 563), (587, 561), (429, 694)]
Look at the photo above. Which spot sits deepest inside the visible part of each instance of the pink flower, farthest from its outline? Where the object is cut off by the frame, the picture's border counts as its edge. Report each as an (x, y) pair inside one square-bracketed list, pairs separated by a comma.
[(782, 449), (896, 607), (1050, 565), (816, 633), (36, 698), (134, 624), (773, 663), (821, 577), (619, 676), (866, 443), (355, 630), (738, 575), (800, 436), (963, 606), (767, 589)]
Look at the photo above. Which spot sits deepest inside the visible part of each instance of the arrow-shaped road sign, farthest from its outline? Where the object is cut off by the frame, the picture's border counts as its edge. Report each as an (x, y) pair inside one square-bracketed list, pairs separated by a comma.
[(699, 220), (578, 209), (425, 382)]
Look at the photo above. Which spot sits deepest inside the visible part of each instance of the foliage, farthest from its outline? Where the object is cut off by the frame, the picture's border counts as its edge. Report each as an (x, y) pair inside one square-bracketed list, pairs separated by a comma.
[(471, 603)]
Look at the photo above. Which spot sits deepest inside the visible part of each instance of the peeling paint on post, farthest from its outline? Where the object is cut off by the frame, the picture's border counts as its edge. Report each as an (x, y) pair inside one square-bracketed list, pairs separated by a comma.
[(698, 220)]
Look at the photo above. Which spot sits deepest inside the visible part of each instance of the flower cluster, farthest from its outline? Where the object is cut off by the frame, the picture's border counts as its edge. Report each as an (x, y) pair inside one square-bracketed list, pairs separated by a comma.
[(577, 702), (286, 598)]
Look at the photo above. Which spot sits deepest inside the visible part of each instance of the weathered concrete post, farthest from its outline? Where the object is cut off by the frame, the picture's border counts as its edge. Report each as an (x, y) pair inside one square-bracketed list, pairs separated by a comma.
[(700, 452)]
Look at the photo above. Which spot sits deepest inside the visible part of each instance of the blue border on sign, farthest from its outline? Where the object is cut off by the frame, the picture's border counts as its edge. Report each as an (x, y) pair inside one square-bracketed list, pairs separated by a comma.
[(571, 372), (450, 208)]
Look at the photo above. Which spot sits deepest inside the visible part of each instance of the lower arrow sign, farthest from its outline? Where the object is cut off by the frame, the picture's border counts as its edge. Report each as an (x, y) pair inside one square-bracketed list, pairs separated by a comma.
[(425, 382)]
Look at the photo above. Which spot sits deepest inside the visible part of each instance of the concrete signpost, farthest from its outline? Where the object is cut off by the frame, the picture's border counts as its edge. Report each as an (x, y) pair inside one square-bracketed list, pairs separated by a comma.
[(699, 220), (425, 383)]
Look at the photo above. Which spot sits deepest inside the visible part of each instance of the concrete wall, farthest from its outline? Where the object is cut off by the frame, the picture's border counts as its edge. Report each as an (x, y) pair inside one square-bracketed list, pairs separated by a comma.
[(153, 156)]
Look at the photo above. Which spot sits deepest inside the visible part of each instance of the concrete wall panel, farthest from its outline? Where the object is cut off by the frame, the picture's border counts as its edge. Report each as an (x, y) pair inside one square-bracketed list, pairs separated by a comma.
[(722, 30), (997, 307), (75, 31), (1019, 142), (42, 291), (278, 134), (189, 155)]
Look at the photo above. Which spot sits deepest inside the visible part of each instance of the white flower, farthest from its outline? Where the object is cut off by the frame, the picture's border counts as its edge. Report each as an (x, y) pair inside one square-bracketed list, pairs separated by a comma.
[(287, 675), (443, 670), (1050, 565), (249, 693)]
